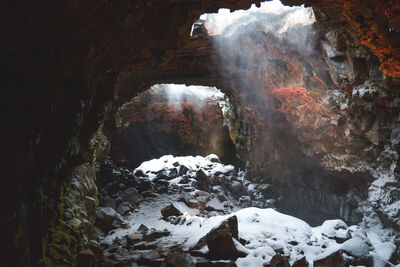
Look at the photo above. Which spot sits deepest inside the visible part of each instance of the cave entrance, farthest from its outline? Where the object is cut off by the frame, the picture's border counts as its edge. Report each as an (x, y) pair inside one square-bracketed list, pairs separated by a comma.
[(173, 119)]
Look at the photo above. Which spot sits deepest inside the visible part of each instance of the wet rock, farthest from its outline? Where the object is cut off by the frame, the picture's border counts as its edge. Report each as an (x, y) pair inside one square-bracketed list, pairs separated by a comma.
[(220, 240), (170, 210), (279, 261), (178, 258)]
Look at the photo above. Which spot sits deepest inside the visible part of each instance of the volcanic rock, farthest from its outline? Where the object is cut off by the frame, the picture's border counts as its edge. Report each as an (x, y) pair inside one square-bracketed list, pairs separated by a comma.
[(178, 258), (170, 210), (279, 261), (219, 240)]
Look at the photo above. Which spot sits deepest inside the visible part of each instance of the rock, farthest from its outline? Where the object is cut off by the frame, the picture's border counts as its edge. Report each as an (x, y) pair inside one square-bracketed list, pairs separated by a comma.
[(155, 234), (144, 184), (107, 218), (206, 263), (214, 205), (176, 164), (133, 239), (301, 263), (90, 205), (355, 247), (139, 173), (236, 188), (219, 240), (203, 180), (213, 158), (143, 229), (170, 210), (96, 249), (182, 170), (333, 260), (86, 258), (130, 195), (108, 201), (124, 208), (279, 261), (178, 258)]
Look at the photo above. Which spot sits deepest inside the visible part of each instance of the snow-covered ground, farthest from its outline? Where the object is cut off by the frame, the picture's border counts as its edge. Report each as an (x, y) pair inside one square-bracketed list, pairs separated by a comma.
[(265, 230)]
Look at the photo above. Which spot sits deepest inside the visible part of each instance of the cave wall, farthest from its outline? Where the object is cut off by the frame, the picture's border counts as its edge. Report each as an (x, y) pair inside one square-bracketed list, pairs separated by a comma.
[(63, 64)]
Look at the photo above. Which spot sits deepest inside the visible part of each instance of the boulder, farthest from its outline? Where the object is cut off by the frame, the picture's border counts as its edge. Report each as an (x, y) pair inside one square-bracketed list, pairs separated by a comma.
[(124, 208), (130, 195), (170, 210), (220, 240), (107, 218), (203, 180)]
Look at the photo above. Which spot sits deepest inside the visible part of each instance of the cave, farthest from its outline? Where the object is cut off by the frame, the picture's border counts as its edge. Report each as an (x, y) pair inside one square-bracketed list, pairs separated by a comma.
[(201, 133)]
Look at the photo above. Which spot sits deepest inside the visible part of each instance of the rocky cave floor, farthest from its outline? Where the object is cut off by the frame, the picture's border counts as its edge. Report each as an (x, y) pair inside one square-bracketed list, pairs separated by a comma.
[(195, 211)]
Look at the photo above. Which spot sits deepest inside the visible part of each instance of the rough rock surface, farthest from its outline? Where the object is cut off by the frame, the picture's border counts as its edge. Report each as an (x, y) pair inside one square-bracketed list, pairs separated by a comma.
[(63, 61)]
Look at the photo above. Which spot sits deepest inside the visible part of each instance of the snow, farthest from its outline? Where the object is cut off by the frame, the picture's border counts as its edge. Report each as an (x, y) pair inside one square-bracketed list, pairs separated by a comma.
[(265, 230), (355, 246), (155, 166)]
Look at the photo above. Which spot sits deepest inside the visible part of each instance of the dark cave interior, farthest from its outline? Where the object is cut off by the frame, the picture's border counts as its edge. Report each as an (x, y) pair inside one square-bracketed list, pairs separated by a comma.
[(305, 122)]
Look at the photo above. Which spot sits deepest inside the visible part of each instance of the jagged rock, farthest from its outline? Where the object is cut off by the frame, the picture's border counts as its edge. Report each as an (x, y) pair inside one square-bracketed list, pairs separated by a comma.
[(279, 261), (179, 258), (220, 240), (170, 210)]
